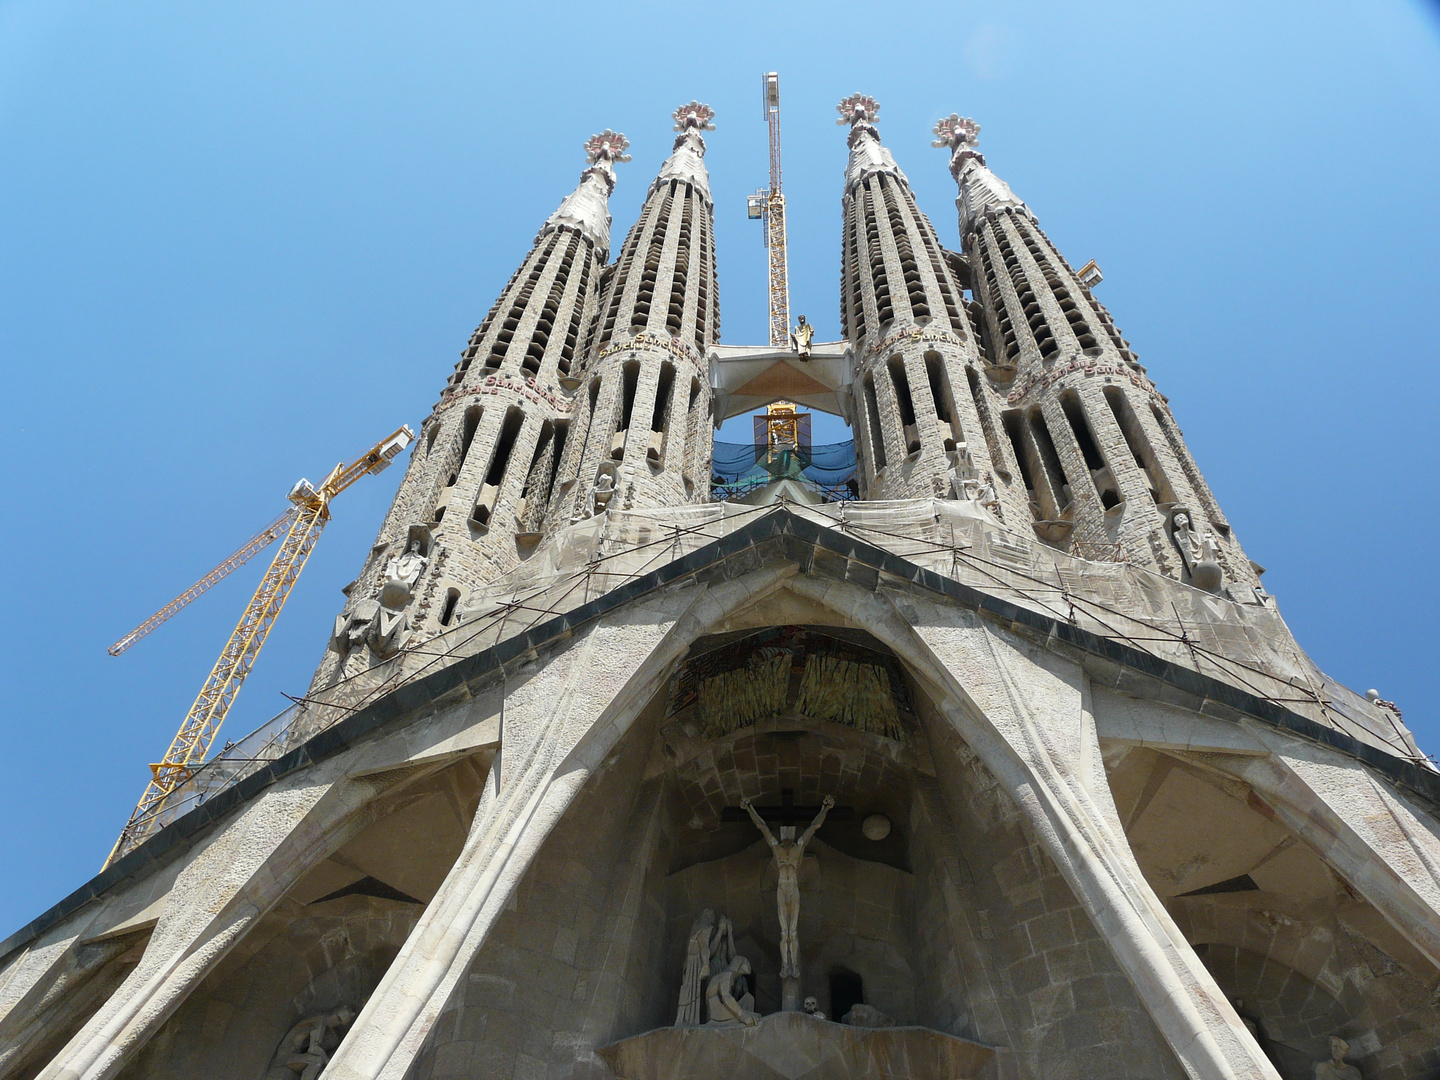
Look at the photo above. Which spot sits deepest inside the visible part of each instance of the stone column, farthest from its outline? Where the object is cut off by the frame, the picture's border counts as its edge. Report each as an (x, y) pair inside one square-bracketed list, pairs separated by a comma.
[(1025, 713), (558, 728), (646, 380)]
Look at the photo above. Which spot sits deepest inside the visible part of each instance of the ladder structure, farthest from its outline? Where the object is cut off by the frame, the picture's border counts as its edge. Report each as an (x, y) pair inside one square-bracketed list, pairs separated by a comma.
[(247, 551)]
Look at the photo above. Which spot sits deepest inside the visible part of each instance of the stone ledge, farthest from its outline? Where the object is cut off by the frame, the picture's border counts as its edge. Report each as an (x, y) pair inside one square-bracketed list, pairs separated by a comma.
[(795, 1046)]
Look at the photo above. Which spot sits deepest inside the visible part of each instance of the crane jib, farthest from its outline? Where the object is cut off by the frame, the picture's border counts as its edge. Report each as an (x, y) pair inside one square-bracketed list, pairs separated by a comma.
[(300, 525)]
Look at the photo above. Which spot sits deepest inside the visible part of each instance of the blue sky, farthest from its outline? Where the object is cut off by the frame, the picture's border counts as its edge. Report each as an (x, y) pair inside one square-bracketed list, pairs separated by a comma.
[(239, 242)]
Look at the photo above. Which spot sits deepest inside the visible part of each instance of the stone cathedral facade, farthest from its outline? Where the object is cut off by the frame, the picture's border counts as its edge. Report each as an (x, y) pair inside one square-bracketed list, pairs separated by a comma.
[(1007, 767)]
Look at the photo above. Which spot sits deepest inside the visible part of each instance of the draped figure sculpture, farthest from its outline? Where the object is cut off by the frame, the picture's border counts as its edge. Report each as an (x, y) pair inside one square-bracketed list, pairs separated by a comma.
[(723, 1006), (709, 948)]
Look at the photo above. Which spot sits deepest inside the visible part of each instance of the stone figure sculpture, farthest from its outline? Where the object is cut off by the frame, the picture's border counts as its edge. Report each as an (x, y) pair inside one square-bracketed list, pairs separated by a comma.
[(720, 1002), (788, 852), (353, 627), (709, 948), (1197, 552), (1206, 573), (963, 477), (1337, 1068), (389, 633), (986, 497), (802, 337), (722, 945), (401, 574), (697, 968), (1183, 533), (306, 1048), (368, 623), (812, 1008), (598, 499)]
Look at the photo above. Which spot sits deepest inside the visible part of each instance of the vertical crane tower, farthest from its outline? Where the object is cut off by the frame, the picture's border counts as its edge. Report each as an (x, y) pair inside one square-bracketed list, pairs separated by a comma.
[(769, 206)]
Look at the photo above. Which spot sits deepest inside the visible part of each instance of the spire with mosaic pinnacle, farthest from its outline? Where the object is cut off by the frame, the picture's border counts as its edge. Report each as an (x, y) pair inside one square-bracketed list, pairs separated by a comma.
[(920, 430), (479, 478), (1104, 465), (642, 411)]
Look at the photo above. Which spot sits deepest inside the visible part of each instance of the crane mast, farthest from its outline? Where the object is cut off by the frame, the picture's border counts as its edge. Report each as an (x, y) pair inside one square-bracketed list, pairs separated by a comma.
[(769, 206), (306, 518)]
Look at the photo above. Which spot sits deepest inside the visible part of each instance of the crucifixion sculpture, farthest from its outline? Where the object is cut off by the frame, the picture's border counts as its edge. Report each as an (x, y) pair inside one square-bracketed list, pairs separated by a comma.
[(788, 852)]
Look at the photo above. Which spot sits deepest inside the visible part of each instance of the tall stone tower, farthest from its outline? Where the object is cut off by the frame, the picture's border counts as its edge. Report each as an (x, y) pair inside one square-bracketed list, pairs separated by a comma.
[(1006, 770), (926, 419), (645, 401), (1105, 470), (473, 501)]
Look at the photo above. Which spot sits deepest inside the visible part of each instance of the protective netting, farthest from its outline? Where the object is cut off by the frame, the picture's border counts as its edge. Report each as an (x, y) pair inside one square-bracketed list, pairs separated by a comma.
[(742, 467)]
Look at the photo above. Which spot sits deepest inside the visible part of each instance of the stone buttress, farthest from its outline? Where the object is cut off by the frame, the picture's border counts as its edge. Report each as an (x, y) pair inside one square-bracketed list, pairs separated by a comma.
[(925, 421), (472, 504), (643, 435), (1107, 473)]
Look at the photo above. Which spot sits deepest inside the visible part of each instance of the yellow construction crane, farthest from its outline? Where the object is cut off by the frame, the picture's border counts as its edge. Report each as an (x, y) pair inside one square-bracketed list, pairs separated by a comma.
[(300, 526), (768, 206)]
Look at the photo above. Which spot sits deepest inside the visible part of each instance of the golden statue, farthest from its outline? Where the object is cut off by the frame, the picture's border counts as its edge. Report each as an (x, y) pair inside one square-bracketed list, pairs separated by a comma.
[(801, 337)]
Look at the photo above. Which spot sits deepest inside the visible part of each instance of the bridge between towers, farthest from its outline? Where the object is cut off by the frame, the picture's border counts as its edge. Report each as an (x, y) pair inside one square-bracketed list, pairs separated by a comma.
[(744, 378)]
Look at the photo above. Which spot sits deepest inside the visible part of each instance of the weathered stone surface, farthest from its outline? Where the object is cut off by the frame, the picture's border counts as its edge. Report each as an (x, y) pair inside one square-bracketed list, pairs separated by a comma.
[(794, 1046)]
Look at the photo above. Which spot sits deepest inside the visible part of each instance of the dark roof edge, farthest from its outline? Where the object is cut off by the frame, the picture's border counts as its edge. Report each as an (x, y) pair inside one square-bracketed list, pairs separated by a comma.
[(779, 523)]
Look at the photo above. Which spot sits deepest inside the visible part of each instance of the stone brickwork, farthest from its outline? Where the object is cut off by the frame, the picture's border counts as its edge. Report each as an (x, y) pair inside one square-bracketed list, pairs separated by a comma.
[(327, 957), (918, 429), (1302, 974), (1037, 975), (573, 957)]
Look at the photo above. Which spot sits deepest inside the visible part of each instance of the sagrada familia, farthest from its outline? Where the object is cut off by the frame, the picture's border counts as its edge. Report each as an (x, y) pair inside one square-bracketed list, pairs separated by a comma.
[(1006, 766)]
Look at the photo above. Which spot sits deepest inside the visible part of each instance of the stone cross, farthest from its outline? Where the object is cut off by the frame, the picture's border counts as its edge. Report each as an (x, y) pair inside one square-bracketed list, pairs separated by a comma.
[(787, 813)]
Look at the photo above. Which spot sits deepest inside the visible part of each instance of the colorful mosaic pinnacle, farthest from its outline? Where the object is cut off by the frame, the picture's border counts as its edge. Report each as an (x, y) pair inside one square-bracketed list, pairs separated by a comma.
[(858, 109), (955, 131), (607, 146), (694, 115)]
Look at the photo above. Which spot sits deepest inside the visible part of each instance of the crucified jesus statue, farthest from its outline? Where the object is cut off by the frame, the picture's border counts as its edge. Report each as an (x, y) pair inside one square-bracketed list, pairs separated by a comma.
[(788, 852)]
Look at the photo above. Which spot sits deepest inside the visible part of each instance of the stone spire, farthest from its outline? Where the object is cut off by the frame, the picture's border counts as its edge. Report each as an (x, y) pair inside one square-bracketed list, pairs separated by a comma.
[(687, 162), (644, 433), (587, 208), (1106, 472), (980, 189), (480, 476), (920, 430), (867, 155)]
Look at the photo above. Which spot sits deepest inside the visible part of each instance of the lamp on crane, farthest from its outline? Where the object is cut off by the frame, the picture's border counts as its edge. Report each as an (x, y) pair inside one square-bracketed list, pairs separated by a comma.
[(300, 526)]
